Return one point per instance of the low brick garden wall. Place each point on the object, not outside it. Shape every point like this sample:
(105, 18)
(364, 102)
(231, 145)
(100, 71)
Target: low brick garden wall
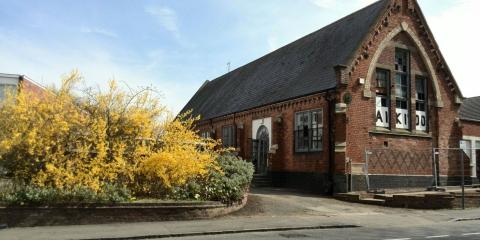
(125, 212)
(446, 200)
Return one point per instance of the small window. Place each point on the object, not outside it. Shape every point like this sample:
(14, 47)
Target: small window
(477, 145)
(228, 136)
(421, 104)
(382, 78)
(401, 61)
(402, 71)
(205, 134)
(309, 131)
(421, 94)
(401, 90)
(382, 110)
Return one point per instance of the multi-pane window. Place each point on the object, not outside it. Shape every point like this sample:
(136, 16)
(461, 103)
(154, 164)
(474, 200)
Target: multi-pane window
(228, 136)
(401, 88)
(382, 101)
(309, 131)
(205, 134)
(421, 104)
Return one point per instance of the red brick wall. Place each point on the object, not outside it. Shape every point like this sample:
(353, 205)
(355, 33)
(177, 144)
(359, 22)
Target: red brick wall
(470, 128)
(360, 115)
(30, 86)
(285, 158)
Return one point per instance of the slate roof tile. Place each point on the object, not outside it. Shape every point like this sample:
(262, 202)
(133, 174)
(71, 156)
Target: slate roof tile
(470, 109)
(301, 68)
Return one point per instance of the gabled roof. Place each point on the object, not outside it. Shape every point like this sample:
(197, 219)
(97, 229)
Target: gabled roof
(17, 78)
(470, 109)
(301, 68)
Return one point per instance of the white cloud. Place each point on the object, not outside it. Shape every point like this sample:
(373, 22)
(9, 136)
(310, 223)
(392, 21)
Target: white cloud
(100, 31)
(335, 4)
(324, 3)
(165, 16)
(458, 36)
(96, 64)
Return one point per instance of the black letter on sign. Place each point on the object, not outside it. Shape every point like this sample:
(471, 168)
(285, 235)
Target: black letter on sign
(417, 120)
(424, 121)
(379, 116)
(398, 118)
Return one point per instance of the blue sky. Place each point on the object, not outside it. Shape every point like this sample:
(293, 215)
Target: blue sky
(176, 45)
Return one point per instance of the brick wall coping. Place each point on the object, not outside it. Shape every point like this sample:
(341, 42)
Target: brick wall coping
(18, 216)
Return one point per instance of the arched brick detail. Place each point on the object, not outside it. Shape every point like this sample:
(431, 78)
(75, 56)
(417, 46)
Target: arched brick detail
(431, 70)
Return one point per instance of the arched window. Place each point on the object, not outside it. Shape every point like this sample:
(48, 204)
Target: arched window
(402, 79)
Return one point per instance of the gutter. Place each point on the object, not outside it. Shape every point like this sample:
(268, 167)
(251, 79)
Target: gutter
(470, 120)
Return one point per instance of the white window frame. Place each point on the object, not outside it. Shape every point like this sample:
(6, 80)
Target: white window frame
(472, 153)
(205, 134)
(314, 131)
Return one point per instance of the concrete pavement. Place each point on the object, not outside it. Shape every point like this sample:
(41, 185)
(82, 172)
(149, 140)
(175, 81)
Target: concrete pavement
(267, 210)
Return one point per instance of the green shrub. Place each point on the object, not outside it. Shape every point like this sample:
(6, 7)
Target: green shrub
(34, 196)
(231, 184)
(227, 184)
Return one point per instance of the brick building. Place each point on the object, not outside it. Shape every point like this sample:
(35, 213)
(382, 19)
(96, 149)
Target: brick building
(306, 113)
(470, 128)
(13, 82)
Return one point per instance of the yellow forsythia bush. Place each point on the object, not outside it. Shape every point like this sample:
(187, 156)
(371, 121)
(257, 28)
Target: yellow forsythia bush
(183, 155)
(71, 137)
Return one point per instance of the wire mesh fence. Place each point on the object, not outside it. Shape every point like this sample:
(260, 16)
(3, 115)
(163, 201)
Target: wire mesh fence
(456, 166)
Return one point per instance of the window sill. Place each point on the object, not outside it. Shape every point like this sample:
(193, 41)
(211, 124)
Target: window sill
(402, 133)
(308, 152)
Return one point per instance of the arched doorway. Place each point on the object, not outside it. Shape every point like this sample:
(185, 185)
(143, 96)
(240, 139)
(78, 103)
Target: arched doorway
(260, 150)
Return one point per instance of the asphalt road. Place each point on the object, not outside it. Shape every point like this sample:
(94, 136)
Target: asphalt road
(450, 230)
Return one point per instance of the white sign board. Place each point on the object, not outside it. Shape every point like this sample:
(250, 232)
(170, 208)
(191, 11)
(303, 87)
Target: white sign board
(402, 118)
(382, 114)
(421, 120)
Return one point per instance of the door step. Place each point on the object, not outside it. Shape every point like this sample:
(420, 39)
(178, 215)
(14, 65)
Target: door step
(372, 201)
(261, 181)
